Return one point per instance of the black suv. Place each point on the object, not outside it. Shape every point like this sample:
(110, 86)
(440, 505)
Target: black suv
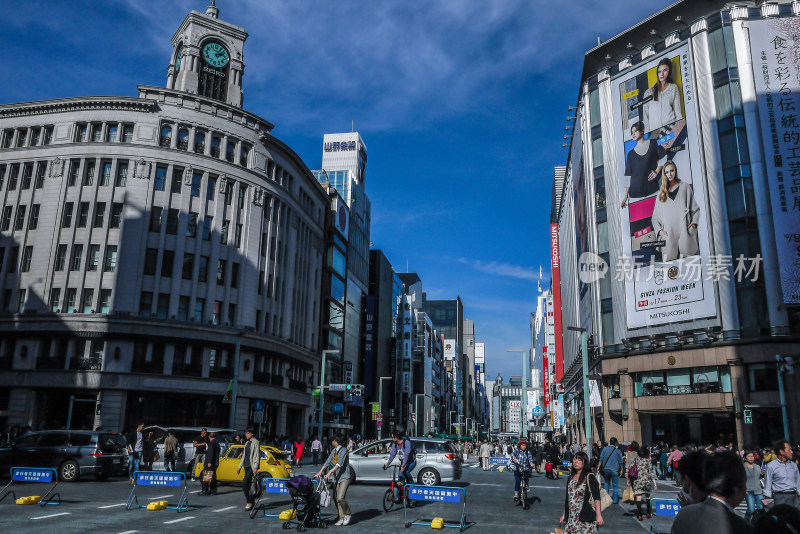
(73, 452)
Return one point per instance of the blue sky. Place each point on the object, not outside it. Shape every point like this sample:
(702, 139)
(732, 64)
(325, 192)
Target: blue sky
(462, 105)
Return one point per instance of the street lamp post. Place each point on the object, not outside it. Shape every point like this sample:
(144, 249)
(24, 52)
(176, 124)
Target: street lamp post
(450, 420)
(235, 384)
(587, 417)
(322, 389)
(380, 400)
(523, 427)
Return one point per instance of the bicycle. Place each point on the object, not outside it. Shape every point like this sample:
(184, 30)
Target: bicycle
(388, 498)
(523, 489)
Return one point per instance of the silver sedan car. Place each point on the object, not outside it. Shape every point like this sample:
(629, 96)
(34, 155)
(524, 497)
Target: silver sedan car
(437, 461)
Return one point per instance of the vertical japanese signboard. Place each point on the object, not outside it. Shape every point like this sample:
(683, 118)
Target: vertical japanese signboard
(663, 208)
(776, 64)
(546, 375)
(555, 309)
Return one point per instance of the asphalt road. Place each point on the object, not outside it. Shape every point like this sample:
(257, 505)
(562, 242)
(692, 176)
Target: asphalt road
(90, 506)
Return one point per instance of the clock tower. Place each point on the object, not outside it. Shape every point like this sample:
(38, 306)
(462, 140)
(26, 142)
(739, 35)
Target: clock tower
(207, 57)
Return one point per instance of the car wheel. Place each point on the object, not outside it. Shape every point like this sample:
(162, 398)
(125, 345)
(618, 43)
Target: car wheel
(352, 475)
(69, 471)
(429, 477)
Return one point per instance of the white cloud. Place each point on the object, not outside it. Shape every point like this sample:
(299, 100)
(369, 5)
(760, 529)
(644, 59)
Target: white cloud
(502, 269)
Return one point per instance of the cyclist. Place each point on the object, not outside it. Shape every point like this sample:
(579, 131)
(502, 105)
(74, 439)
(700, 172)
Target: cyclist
(521, 464)
(403, 449)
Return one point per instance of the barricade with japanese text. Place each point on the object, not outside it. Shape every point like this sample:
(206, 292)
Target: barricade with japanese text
(158, 479)
(34, 475)
(434, 494)
(667, 507)
(497, 461)
(276, 486)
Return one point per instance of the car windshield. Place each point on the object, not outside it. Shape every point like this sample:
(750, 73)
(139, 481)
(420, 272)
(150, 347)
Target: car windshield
(111, 443)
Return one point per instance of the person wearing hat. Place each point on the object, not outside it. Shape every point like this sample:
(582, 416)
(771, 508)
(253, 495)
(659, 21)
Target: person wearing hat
(520, 462)
(249, 462)
(211, 463)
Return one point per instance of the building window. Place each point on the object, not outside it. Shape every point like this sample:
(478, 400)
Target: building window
(12, 262)
(202, 271)
(199, 142)
(93, 258)
(172, 221)
(27, 175)
(33, 221)
(97, 133)
(72, 295)
(223, 234)
(166, 136)
(35, 136)
(183, 309)
(19, 221)
(111, 134)
(244, 155)
(150, 261)
(183, 139)
(88, 177)
(216, 313)
(21, 296)
(48, 135)
(88, 300)
(5, 224)
(207, 222)
(762, 377)
(40, 169)
(230, 149)
(61, 257)
(199, 309)
(83, 133)
(162, 309)
(75, 262)
(238, 236)
(8, 135)
(167, 261)
(74, 169)
(234, 275)
(122, 174)
(27, 256)
(146, 304)
(215, 143)
(13, 177)
(106, 177)
(161, 178)
(177, 180)
(197, 180)
(105, 301)
(83, 214)
(127, 133)
(55, 297)
(188, 266)
(155, 219)
(191, 225)
(221, 272)
(211, 187)
(66, 218)
(99, 214)
(116, 215)
(110, 262)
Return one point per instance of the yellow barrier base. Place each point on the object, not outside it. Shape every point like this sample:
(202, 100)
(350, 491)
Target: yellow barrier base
(287, 515)
(157, 505)
(437, 523)
(33, 499)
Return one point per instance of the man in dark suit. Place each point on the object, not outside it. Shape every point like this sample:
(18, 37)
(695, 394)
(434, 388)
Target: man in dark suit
(211, 464)
(726, 482)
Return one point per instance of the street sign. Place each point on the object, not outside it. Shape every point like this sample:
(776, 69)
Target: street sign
(338, 407)
(380, 424)
(376, 407)
(258, 406)
(380, 416)
(748, 417)
(538, 411)
(337, 387)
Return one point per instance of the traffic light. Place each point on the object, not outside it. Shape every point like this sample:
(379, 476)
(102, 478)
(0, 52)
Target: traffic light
(98, 409)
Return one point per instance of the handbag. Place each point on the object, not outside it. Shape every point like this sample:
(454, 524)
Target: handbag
(325, 497)
(255, 488)
(605, 498)
(627, 495)
(633, 472)
(155, 456)
(208, 475)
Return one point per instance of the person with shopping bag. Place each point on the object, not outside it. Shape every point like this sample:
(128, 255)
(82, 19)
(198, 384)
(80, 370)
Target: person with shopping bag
(640, 481)
(582, 505)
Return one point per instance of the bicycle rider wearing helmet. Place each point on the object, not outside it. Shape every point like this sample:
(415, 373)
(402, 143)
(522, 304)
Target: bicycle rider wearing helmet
(520, 461)
(402, 448)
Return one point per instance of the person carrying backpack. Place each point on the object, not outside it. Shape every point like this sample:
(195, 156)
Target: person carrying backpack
(407, 452)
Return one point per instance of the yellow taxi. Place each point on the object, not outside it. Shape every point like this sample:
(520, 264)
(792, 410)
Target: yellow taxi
(273, 462)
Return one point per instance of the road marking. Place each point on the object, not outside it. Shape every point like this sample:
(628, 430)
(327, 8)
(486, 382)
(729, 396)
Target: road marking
(128, 532)
(198, 491)
(224, 509)
(159, 497)
(178, 520)
(51, 515)
(112, 506)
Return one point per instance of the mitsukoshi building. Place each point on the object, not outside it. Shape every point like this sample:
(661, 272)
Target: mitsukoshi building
(160, 255)
(675, 225)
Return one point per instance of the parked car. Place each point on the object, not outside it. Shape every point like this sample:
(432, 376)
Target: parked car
(437, 461)
(74, 453)
(273, 464)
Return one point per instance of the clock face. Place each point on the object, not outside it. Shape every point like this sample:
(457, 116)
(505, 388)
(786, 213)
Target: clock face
(215, 55)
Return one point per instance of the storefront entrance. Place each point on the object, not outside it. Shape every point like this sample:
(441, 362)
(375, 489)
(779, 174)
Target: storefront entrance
(684, 428)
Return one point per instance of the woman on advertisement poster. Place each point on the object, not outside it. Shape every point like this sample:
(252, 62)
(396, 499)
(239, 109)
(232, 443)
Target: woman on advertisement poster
(676, 216)
(643, 165)
(663, 100)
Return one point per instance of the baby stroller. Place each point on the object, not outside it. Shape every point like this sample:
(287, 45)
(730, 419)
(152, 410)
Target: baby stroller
(305, 504)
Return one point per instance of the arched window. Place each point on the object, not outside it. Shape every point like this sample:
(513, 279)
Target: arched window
(229, 149)
(183, 139)
(199, 142)
(178, 60)
(215, 142)
(166, 136)
(214, 70)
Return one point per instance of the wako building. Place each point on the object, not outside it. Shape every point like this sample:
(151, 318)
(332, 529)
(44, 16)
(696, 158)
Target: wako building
(158, 253)
(684, 177)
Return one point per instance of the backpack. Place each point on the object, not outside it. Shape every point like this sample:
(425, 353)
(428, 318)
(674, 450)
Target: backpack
(509, 449)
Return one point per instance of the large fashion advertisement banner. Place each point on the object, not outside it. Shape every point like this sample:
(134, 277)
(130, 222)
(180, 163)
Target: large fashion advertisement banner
(774, 45)
(663, 194)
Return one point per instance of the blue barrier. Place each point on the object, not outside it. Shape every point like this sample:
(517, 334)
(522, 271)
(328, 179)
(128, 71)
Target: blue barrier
(27, 475)
(666, 507)
(275, 486)
(497, 461)
(566, 464)
(417, 492)
(160, 479)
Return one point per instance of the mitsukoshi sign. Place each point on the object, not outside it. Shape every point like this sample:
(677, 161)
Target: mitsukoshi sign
(662, 194)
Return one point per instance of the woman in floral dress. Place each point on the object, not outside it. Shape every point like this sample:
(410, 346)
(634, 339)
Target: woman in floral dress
(582, 487)
(643, 481)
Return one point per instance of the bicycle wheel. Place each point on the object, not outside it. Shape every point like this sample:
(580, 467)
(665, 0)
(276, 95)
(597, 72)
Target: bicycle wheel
(388, 500)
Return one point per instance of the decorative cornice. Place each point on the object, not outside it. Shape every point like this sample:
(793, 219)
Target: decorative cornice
(66, 105)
